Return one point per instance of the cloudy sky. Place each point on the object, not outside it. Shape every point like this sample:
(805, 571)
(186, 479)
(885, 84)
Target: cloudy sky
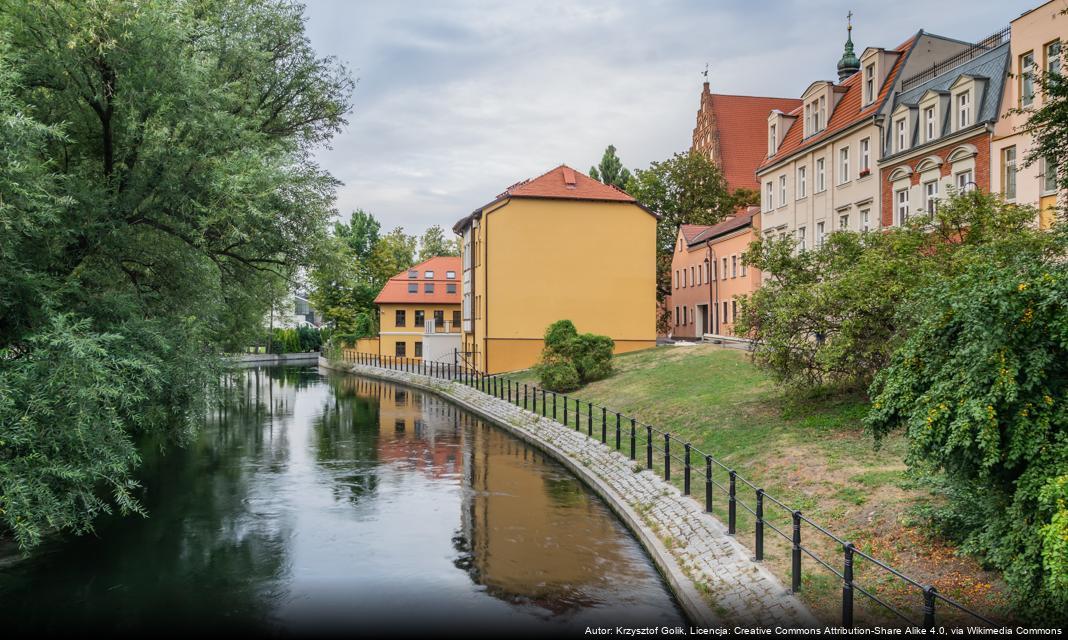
(458, 100)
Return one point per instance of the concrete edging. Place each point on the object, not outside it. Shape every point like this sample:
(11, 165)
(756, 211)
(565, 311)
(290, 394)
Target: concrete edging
(682, 586)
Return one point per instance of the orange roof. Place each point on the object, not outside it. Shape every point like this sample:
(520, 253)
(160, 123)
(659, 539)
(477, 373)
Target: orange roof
(742, 126)
(846, 113)
(396, 290)
(690, 231)
(741, 218)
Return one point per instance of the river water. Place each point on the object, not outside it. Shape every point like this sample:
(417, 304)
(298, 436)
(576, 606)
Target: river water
(315, 502)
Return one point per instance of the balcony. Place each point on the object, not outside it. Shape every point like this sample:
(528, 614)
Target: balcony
(447, 327)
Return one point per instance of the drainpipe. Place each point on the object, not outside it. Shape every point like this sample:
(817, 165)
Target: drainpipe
(713, 312)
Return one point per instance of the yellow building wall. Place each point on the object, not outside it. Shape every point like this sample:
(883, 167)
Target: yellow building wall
(389, 334)
(544, 260)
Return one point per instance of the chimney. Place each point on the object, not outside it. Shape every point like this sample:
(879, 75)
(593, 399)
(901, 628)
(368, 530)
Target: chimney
(569, 177)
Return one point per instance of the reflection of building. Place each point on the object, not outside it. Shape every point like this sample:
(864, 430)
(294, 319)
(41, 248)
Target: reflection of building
(1036, 38)
(420, 311)
(559, 246)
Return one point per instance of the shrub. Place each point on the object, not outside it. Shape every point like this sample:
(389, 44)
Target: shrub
(570, 359)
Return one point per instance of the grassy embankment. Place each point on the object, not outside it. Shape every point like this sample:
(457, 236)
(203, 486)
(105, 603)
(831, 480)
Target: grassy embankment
(811, 454)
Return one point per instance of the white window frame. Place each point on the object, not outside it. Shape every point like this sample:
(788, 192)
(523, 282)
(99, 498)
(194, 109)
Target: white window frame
(802, 182)
(1008, 173)
(901, 205)
(782, 190)
(843, 221)
(1027, 79)
(901, 134)
(963, 179)
(801, 236)
(843, 165)
(821, 175)
(820, 234)
(772, 140)
(929, 124)
(769, 196)
(864, 219)
(869, 84)
(865, 155)
(930, 196)
(964, 109)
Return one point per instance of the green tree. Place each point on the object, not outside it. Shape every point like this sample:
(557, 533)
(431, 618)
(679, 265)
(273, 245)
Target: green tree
(434, 243)
(164, 186)
(688, 188)
(980, 385)
(394, 253)
(361, 234)
(611, 170)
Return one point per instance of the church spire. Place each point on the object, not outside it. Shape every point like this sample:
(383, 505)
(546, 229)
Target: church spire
(849, 63)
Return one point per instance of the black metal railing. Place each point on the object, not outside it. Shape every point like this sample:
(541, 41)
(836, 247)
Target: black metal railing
(718, 476)
(940, 67)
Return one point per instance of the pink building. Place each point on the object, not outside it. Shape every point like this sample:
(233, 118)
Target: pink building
(708, 276)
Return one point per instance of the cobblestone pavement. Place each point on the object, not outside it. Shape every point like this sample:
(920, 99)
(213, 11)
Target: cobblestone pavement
(738, 589)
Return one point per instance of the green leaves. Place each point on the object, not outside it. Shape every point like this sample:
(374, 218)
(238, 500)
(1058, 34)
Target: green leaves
(571, 359)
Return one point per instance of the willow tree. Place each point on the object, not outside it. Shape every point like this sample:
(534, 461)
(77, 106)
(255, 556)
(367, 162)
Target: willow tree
(167, 188)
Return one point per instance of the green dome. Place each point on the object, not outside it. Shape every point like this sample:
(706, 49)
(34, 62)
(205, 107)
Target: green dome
(849, 63)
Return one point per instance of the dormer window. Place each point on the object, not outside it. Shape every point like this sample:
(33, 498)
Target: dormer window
(815, 115)
(901, 141)
(929, 124)
(964, 109)
(772, 140)
(821, 124)
(869, 84)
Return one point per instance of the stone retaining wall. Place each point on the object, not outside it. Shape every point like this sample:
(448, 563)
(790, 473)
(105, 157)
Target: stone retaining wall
(712, 575)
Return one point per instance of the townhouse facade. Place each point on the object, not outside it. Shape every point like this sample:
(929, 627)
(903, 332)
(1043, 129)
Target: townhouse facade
(708, 275)
(559, 246)
(419, 312)
(820, 171)
(941, 125)
(1036, 39)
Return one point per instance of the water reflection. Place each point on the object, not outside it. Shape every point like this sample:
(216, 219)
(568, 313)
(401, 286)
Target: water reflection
(312, 503)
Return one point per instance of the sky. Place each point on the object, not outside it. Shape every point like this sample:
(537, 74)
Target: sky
(455, 101)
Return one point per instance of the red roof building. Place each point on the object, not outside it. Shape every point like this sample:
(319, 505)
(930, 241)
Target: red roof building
(434, 281)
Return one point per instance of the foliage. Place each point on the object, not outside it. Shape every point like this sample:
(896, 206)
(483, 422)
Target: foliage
(611, 170)
(156, 186)
(571, 359)
(980, 385)
(688, 188)
(296, 340)
(434, 244)
(394, 253)
(360, 234)
(833, 315)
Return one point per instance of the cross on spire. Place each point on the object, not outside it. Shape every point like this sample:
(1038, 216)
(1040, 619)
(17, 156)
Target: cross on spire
(849, 20)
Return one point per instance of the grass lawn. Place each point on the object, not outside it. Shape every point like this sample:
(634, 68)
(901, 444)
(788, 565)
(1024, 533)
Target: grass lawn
(811, 454)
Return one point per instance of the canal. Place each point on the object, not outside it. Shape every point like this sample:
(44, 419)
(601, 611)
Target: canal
(315, 502)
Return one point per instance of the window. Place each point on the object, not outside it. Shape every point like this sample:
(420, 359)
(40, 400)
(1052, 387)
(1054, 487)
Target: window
(734, 309)
(428, 287)
(802, 185)
(734, 266)
(700, 273)
(743, 267)
(1008, 173)
(843, 222)
(412, 273)
(930, 196)
(723, 271)
(418, 348)
(821, 179)
(399, 319)
(450, 287)
(902, 198)
(676, 278)
(455, 318)
(964, 181)
(823, 113)
(772, 141)
(843, 165)
(1049, 175)
(1053, 58)
(782, 190)
(869, 84)
(439, 319)
(1027, 79)
(865, 156)
(964, 109)
(429, 275)
(450, 275)
(865, 214)
(400, 350)
(801, 239)
(691, 276)
(685, 315)
(677, 316)
(420, 318)
(413, 287)
(725, 319)
(819, 234)
(901, 136)
(769, 197)
(928, 124)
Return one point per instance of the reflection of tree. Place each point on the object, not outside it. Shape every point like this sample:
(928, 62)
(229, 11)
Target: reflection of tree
(347, 441)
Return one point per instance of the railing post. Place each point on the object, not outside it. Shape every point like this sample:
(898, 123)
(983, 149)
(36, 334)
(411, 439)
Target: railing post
(618, 432)
(543, 403)
(759, 525)
(686, 471)
(578, 416)
(795, 570)
(847, 586)
(667, 457)
(633, 441)
(708, 484)
(554, 405)
(929, 607)
(565, 413)
(509, 392)
(648, 446)
(732, 505)
(526, 396)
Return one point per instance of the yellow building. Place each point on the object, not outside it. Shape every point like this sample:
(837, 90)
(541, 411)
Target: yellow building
(419, 311)
(559, 246)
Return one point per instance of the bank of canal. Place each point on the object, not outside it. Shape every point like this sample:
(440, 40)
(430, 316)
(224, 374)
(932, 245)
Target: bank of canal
(315, 502)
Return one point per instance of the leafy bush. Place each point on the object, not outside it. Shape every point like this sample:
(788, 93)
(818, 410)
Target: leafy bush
(570, 359)
(981, 387)
(299, 340)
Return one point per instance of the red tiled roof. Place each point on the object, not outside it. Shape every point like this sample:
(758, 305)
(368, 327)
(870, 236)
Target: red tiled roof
(396, 289)
(565, 182)
(690, 231)
(846, 113)
(733, 223)
(742, 126)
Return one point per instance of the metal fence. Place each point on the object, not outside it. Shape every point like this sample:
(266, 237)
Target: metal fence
(940, 67)
(647, 445)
